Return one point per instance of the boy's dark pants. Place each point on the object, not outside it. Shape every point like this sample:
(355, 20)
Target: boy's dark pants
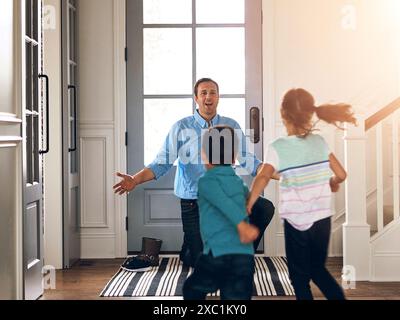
(306, 252)
(192, 248)
(232, 274)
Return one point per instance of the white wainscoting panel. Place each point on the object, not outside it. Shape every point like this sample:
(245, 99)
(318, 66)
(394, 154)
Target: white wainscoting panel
(385, 254)
(97, 147)
(100, 245)
(97, 204)
(94, 182)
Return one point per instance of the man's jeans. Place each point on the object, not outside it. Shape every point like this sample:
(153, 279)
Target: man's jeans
(192, 248)
(232, 274)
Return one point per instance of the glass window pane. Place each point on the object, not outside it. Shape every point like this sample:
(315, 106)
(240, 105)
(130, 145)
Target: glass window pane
(35, 149)
(159, 116)
(167, 61)
(35, 16)
(73, 155)
(71, 79)
(28, 76)
(167, 11)
(8, 57)
(73, 162)
(221, 56)
(29, 150)
(235, 109)
(28, 18)
(35, 79)
(71, 93)
(220, 11)
(71, 38)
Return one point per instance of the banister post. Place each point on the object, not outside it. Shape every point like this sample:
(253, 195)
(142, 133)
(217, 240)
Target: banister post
(356, 231)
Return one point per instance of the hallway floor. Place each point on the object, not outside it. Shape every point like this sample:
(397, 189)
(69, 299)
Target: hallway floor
(86, 280)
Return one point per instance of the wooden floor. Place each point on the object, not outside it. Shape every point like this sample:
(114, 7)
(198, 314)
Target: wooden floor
(86, 280)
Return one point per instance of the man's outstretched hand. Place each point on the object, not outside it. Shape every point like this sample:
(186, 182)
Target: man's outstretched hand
(126, 185)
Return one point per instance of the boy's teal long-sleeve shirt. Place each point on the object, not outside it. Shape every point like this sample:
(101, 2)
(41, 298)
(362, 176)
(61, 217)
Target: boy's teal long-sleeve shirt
(222, 205)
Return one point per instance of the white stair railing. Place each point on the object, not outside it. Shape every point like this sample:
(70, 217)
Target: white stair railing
(379, 176)
(382, 137)
(356, 231)
(396, 159)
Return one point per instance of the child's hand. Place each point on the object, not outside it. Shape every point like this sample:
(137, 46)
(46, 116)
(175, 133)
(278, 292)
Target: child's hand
(250, 203)
(334, 185)
(247, 232)
(248, 209)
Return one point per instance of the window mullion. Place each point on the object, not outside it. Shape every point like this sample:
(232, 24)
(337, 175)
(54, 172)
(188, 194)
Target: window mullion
(194, 48)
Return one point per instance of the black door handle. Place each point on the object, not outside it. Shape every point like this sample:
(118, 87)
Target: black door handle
(75, 119)
(255, 125)
(47, 114)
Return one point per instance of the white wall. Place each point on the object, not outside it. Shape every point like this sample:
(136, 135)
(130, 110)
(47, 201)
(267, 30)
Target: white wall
(338, 50)
(53, 230)
(315, 49)
(102, 108)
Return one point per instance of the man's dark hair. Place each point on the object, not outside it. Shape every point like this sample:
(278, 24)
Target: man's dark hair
(220, 145)
(202, 80)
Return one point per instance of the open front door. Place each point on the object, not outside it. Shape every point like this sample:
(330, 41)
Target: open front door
(32, 155)
(170, 46)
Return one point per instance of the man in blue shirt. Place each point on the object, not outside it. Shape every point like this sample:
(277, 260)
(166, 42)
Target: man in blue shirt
(184, 143)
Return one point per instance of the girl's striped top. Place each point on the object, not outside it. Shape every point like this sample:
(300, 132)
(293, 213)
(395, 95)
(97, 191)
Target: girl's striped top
(303, 163)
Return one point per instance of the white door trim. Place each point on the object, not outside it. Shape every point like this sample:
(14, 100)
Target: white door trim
(269, 112)
(120, 203)
(19, 98)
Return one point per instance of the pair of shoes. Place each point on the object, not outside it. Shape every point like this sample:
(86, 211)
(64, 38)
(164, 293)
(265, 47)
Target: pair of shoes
(140, 263)
(148, 257)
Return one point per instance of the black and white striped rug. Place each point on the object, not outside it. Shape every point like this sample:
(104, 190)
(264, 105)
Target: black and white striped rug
(270, 279)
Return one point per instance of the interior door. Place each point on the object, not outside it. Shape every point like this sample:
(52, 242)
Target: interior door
(170, 45)
(12, 41)
(32, 155)
(71, 167)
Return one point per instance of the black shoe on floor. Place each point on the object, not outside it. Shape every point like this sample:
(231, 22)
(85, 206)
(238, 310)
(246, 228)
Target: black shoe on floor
(140, 263)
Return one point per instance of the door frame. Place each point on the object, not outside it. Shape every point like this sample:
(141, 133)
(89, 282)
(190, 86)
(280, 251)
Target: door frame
(120, 111)
(19, 40)
(252, 23)
(274, 238)
(269, 99)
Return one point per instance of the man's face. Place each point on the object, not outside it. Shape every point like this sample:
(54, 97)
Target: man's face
(207, 99)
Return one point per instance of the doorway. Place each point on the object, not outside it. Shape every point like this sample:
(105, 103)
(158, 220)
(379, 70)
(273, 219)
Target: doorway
(171, 44)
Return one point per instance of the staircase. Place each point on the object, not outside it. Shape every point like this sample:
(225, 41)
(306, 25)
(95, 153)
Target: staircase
(371, 243)
(388, 216)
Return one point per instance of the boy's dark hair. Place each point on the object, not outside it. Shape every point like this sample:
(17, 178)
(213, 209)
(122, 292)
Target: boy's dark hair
(220, 145)
(202, 80)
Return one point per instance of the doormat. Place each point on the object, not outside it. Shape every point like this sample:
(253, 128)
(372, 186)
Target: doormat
(271, 278)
